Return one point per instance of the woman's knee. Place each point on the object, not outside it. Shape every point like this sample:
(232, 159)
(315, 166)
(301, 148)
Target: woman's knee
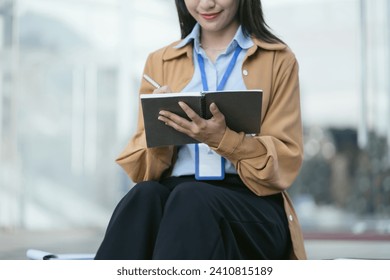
(188, 190)
(149, 188)
(146, 191)
(193, 196)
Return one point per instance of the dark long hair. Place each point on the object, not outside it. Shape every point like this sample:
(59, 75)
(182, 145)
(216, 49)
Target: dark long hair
(249, 15)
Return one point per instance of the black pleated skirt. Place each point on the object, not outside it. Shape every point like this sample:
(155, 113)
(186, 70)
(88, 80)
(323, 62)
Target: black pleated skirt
(182, 218)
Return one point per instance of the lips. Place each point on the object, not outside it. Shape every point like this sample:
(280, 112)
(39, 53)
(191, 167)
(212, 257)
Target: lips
(210, 16)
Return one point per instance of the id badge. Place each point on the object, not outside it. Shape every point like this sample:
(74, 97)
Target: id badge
(208, 164)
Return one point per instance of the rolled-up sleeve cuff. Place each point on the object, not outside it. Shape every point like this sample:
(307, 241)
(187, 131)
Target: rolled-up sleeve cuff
(229, 143)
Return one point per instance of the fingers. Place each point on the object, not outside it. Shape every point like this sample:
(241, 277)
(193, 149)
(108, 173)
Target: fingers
(214, 109)
(217, 114)
(191, 113)
(206, 131)
(190, 127)
(163, 89)
(196, 122)
(177, 121)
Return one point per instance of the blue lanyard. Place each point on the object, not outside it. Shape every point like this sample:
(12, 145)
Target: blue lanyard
(225, 76)
(201, 156)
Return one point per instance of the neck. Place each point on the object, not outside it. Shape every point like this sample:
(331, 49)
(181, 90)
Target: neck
(218, 41)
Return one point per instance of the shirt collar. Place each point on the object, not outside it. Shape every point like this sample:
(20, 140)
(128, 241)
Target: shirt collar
(240, 39)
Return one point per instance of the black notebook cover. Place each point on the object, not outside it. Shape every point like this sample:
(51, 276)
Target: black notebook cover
(242, 111)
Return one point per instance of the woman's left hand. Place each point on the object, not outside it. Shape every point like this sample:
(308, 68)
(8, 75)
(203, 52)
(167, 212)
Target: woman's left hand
(205, 131)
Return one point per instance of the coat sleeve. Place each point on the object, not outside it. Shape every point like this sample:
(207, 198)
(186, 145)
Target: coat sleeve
(269, 163)
(139, 162)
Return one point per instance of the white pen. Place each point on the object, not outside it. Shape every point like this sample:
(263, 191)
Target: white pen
(151, 81)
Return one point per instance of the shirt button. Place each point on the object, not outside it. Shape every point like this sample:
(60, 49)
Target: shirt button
(290, 217)
(245, 72)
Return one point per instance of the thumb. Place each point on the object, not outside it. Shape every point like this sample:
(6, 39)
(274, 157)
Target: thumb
(215, 111)
(163, 89)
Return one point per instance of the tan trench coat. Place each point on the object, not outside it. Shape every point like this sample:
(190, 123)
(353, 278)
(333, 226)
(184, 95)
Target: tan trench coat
(267, 163)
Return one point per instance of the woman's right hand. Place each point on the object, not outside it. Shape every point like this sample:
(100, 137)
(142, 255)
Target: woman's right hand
(163, 89)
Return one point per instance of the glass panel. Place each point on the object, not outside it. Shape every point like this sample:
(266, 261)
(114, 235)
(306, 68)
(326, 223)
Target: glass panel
(69, 78)
(343, 50)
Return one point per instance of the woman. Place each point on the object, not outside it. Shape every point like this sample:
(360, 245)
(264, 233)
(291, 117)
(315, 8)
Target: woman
(169, 214)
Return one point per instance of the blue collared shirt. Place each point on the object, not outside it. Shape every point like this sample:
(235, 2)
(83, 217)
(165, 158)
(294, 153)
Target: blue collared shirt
(185, 164)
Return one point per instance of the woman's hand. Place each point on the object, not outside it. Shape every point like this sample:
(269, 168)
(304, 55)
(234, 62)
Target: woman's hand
(205, 131)
(163, 89)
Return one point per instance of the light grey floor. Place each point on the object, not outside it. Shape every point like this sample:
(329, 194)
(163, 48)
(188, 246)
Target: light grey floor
(14, 244)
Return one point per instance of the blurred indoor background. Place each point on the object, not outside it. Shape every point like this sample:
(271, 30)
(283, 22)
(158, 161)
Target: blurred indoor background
(69, 77)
